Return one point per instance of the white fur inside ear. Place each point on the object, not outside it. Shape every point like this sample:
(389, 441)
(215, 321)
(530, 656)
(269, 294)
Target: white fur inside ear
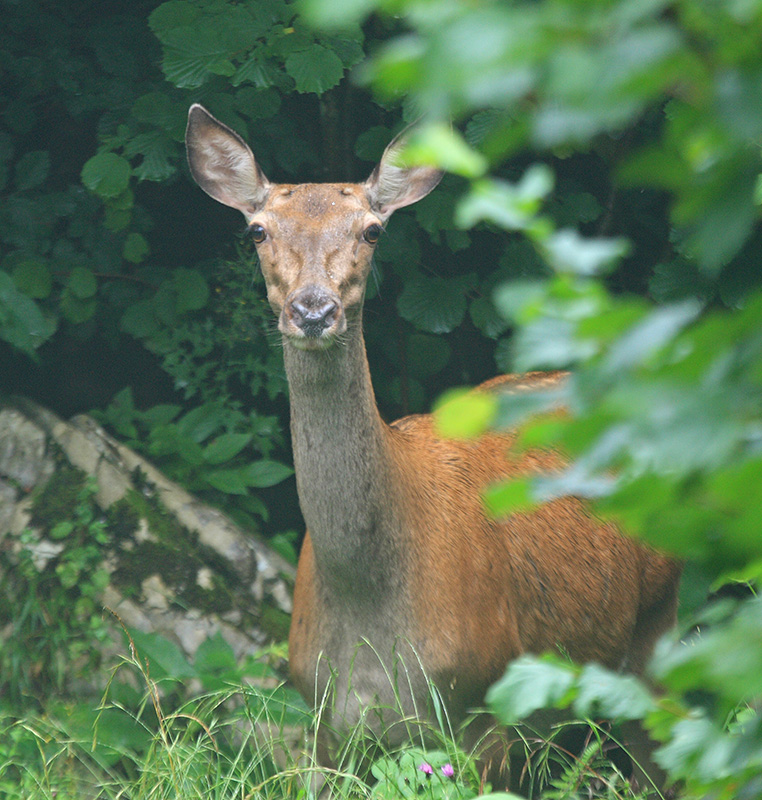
(223, 165)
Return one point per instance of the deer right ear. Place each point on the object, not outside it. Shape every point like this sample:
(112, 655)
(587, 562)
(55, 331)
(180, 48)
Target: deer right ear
(393, 185)
(222, 163)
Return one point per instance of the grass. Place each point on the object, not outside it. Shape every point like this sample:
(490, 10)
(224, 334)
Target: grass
(247, 743)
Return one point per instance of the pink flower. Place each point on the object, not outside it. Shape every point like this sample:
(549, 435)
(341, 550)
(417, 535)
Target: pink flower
(448, 771)
(427, 769)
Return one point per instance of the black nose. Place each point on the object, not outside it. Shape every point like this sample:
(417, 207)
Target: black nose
(312, 312)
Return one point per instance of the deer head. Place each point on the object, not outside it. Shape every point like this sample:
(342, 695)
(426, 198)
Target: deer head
(315, 241)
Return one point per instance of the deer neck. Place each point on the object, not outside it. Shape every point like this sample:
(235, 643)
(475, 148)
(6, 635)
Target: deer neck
(341, 457)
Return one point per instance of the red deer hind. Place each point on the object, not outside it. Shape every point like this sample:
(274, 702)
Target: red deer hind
(400, 556)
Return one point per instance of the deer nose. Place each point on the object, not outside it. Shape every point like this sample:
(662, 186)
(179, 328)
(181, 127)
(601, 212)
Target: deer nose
(313, 312)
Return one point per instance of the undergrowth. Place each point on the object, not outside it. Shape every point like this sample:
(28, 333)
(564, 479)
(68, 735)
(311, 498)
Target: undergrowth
(244, 741)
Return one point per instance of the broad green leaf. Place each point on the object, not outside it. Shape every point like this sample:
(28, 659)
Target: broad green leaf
(230, 481)
(697, 749)
(725, 659)
(465, 413)
(530, 684)
(32, 276)
(486, 318)
(82, 283)
(441, 146)
(511, 497)
(265, 473)
(76, 310)
(511, 206)
(258, 103)
(107, 174)
(172, 14)
(214, 654)
(348, 45)
(225, 446)
(658, 329)
(192, 290)
(520, 301)
(61, 529)
(336, 13)
(161, 414)
(164, 658)
(602, 693)
(567, 251)
(135, 248)
(21, 321)
(436, 304)
(201, 422)
(315, 69)
(139, 320)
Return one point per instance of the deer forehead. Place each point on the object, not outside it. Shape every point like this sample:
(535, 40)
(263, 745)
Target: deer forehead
(329, 209)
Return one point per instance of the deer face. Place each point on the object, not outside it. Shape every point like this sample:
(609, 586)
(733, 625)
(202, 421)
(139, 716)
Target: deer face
(315, 241)
(315, 244)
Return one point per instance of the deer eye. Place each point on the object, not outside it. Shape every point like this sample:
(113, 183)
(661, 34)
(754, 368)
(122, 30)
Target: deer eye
(372, 233)
(257, 233)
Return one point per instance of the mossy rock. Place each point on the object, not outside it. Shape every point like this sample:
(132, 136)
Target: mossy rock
(58, 498)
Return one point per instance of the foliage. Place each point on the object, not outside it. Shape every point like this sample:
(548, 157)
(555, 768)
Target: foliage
(661, 100)
(419, 773)
(222, 743)
(53, 631)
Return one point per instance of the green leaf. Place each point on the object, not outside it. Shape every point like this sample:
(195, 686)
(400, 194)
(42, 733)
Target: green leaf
(511, 206)
(164, 658)
(161, 414)
(107, 174)
(336, 13)
(529, 684)
(32, 276)
(135, 248)
(511, 497)
(602, 693)
(436, 305)
(465, 413)
(440, 146)
(201, 422)
(21, 321)
(225, 446)
(230, 481)
(192, 290)
(139, 320)
(75, 310)
(486, 318)
(265, 473)
(172, 14)
(315, 69)
(567, 251)
(82, 283)
(61, 529)
(214, 654)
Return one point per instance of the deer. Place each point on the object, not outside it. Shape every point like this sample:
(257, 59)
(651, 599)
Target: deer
(400, 563)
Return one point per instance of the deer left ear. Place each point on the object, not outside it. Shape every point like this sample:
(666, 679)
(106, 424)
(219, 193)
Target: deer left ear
(222, 163)
(393, 185)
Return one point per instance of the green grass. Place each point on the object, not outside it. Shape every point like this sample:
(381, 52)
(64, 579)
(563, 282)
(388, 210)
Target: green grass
(245, 743)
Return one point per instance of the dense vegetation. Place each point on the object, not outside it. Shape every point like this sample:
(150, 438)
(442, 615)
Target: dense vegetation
(601, 214)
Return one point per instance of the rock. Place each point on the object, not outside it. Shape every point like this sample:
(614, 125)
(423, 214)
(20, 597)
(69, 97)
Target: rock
(172, 565)
(23, 450)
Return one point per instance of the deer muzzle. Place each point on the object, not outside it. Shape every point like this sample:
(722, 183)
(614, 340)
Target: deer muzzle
(312, 317)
